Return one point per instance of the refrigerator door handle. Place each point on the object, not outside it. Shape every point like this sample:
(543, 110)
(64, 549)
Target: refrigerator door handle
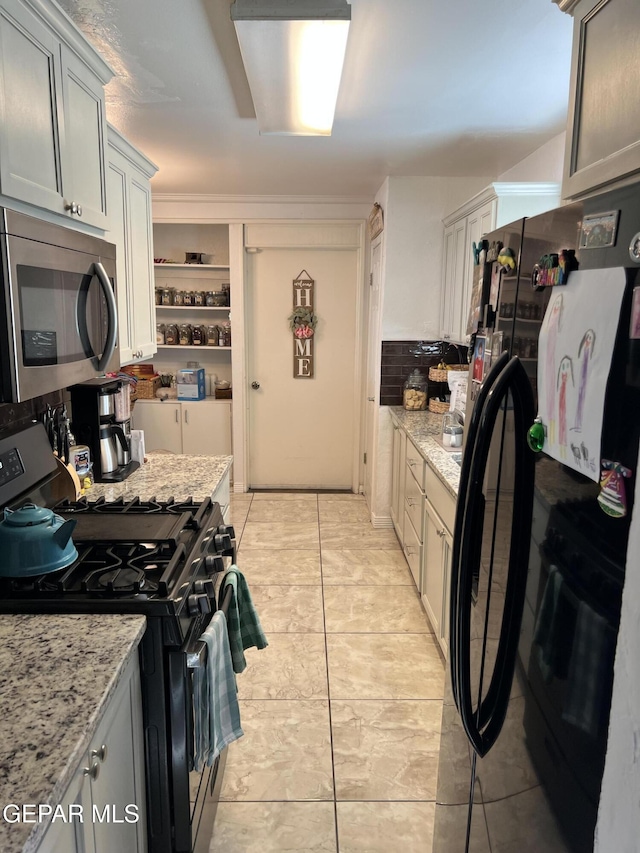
(462, 508)
(485, 723)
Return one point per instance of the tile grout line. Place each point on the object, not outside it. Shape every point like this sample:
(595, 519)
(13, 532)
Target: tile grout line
(326, 658)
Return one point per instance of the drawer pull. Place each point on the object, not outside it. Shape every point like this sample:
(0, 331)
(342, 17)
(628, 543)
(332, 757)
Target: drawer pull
(94, 771)
(100, 754)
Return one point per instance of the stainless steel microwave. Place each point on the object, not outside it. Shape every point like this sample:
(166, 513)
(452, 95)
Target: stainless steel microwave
(58, 315)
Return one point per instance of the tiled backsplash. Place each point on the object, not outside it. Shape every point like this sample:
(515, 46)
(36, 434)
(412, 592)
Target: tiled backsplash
(399, 358)
(14, 416)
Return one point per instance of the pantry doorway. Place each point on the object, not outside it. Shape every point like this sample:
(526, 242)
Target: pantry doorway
(303, 432)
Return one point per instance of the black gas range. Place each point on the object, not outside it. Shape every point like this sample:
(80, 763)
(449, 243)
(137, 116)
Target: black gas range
(159, 558)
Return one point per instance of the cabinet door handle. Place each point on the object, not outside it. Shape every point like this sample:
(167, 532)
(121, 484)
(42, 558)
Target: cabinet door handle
(186, 416)
(73, 208)
(177, 417)
(100, 754)
(411, 550)
(93, 771)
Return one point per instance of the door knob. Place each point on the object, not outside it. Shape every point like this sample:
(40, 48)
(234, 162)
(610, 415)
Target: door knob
(255, 385)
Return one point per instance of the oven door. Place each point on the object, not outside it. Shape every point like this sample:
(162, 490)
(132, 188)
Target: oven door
(61, 319)
(196, 793)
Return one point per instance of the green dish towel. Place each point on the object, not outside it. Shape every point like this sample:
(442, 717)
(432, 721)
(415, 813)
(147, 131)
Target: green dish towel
(245, 630)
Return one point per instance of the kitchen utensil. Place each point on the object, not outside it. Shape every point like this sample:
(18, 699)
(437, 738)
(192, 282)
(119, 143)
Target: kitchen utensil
(34, 540)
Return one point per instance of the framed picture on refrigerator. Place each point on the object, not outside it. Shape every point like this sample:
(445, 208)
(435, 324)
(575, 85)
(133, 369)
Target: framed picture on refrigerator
(479, 351)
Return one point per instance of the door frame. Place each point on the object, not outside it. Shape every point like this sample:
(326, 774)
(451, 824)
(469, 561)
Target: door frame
(297, 234)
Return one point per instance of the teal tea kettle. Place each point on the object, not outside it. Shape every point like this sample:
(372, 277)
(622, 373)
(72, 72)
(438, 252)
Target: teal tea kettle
(34, 540)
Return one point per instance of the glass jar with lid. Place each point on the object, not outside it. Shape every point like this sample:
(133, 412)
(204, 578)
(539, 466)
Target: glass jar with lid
(178, 297)
(158, 291)
(160, 333)
(171, 334)
(414, 395)
(167, 295)
(198, 297)
(212, 336)
(199, 336)
(188, 297)
(209, 298)
(185, 335)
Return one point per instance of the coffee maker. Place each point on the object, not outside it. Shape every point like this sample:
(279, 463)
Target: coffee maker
(101, 418)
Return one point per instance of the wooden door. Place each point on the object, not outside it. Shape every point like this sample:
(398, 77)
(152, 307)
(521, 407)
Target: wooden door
(301, 431)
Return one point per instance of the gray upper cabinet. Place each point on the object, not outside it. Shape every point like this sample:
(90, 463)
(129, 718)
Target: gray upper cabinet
(603, 131)
(52, 113)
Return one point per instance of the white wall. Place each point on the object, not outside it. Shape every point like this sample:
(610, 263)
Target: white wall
(544, 164)
(412, 267)
(619, 813)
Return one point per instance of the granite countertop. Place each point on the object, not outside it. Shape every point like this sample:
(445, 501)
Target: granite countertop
(422, 427)
(166, 475)
(59, 674)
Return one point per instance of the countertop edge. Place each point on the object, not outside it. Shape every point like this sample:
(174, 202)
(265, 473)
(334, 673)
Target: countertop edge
(435, 456)
(70, 767)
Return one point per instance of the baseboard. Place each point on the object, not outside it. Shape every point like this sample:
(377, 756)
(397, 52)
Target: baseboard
(381, 522)
(239, 488)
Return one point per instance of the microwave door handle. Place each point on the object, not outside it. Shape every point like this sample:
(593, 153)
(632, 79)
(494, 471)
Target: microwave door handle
(112, 312)
(464, 497)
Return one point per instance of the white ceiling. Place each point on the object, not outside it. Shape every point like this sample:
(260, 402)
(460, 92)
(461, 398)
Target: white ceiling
(430, 87)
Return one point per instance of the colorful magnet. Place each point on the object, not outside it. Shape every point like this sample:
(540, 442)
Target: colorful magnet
(554, 269)
(536, 436)
(613, 498)
(494, 250)
(483, 245)
(507, 259)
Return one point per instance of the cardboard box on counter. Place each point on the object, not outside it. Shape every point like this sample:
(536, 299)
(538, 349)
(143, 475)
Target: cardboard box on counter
(191, 384)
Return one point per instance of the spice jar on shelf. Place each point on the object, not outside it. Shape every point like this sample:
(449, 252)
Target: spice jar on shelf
(199, 336)
(171, 334)
(199, 298)
(160, 333)
(167, 295)
(212, 336)
(414, 395)
(185, 336)
(178, 297)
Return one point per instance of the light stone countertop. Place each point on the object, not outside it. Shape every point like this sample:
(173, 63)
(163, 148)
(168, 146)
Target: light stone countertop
(422, 427)
(59, 673)
(166, 475)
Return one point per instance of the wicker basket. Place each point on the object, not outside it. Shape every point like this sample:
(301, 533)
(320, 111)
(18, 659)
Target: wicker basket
(437, 374)
(146, 388)
(438, 407)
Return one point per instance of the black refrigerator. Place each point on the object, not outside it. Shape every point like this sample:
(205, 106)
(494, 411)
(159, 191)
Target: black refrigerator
(540, 538)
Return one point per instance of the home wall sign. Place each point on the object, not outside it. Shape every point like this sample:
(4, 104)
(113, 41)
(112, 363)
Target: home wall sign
(302, 323)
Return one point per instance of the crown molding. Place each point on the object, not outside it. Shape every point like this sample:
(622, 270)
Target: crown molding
(566, 5)
(195, 198)
(500, 189)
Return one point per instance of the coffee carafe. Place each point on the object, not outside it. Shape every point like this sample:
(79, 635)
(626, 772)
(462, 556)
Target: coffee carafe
(101, 418)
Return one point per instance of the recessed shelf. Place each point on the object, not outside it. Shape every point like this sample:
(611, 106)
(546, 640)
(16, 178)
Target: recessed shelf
(200, 347)
(191, 266)
(194, 307)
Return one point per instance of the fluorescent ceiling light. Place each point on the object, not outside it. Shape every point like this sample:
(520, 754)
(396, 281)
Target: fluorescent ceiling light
(293, 52)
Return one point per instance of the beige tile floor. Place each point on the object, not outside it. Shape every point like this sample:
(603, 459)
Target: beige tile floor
(342, 711)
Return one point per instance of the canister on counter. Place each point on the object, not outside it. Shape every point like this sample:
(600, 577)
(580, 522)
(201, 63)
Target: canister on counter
(414, 395)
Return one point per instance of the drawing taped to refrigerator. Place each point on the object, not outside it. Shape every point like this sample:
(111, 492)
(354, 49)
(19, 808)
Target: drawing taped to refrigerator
(576, 344)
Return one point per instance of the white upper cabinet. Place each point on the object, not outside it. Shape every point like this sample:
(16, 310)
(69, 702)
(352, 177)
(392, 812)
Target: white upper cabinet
(131, 229)
(498, 205)
(52, 114)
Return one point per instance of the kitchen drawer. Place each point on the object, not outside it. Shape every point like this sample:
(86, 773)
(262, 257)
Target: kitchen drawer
(442, 500)
(414, 504)
(412, 549)
(415, 463)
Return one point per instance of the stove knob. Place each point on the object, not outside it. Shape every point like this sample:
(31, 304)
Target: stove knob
(206, 587)
(221, 542)
(213, 564)
(198, 604)
(228, 529)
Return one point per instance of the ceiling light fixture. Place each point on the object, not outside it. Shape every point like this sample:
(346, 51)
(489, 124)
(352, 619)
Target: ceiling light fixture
(293, 52)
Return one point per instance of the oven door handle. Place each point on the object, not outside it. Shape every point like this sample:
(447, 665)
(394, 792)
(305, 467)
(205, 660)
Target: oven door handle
(198, 656)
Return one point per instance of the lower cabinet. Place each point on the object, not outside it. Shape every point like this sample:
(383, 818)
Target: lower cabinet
(201, 428)
(108, 789)
(397, 479)
(436, 573)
